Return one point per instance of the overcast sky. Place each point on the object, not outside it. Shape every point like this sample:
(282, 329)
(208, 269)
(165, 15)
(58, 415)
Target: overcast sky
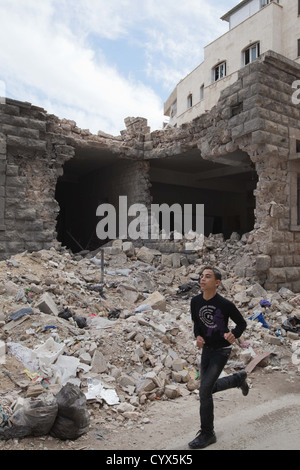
(99, 61)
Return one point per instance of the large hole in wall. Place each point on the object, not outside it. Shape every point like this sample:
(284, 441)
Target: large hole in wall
(225, 188)
(96, 176)
(86, 183)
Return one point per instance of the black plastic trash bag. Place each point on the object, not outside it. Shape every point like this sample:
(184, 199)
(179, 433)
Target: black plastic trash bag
(80, 321)
(189, 289)
(113, 314)
(73, 419)
(34, 418)
(65, 314)
(292, 324)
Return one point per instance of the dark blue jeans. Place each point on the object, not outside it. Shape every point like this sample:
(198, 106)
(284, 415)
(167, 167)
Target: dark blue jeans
(212, 364)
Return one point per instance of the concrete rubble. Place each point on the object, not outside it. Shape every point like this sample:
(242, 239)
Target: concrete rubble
(128, 341)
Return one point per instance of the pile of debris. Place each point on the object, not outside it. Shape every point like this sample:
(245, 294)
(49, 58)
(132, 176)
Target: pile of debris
(116, 326)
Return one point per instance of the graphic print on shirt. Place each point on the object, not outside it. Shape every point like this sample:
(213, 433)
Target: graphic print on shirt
(213, 319)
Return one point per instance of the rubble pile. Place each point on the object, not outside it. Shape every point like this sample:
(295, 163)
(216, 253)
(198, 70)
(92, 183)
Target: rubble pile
(117, 326)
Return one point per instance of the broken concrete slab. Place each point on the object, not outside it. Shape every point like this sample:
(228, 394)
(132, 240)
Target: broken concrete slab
(46, 304)
(156, 301)
(99, 364)
(178, 364)
(145, 385)
(172, 391)
(145, 254)
(128, 248)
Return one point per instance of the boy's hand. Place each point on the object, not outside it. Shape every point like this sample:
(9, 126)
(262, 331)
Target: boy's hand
(200, 342)
(229, 337)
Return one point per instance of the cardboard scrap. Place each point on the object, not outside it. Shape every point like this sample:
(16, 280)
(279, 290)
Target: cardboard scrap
(251, 366)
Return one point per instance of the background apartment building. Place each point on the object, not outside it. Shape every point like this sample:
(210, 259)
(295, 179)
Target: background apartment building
(255, 27)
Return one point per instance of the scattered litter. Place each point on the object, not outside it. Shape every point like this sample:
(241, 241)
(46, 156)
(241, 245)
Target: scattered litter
(114, 314)
(4, 419)
(65, 369)
(292, 324)
(21, 313)
(66, 314)
(49, 327)
(265, 303)
(48, 352)
(100, 323)
(143, 308)
(119, 344)
(24, 355)
(258, 317)
(96, 390)
(255, 362)
(80, 321)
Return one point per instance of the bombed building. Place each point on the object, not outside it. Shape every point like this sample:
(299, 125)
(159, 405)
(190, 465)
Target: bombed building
(241, 160)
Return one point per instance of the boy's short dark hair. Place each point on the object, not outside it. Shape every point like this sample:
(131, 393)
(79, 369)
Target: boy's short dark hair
(216, 272)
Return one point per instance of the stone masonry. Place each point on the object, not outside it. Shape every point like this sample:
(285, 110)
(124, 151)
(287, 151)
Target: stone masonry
(255, 115)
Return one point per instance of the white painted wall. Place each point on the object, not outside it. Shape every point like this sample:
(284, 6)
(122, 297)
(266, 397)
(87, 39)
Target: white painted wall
(243, 13)
(276, 27)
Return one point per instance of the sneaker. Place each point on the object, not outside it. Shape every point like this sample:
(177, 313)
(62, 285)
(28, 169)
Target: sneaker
(202, 440)
(244, 385)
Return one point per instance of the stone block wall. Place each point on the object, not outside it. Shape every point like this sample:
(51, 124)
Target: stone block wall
(255, 114)
(2, 183)
(34, 146)
(270, 148)
(129, 178)
(31, 161)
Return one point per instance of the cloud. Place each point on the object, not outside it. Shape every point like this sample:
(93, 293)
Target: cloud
(53, 53)
(172, 33)
(178, 33)
(46, 61)
(107, 19)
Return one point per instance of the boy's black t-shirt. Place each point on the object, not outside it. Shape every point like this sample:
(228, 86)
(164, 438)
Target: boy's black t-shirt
(211, 318)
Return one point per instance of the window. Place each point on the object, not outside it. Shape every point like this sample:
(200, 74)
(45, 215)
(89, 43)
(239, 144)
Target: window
(251, 53)
(263, 3)
(219, 72)
(298, 7)
(189, 101)
(201, 92)
(298, 47)
(297, 146)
